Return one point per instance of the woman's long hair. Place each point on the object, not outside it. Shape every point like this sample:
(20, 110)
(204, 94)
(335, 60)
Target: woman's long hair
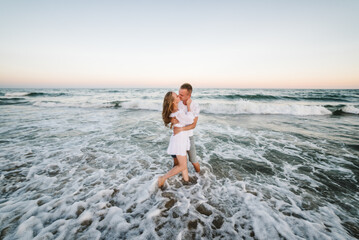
(168, 104)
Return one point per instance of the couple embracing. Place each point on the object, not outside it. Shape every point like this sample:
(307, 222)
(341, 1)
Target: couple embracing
(181, 114)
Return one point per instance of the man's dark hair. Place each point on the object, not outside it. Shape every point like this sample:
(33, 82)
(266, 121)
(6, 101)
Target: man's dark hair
(187, 86)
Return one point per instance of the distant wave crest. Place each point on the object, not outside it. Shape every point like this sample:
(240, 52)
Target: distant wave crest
(351, 109)
(13, 101)
(239, 107)
(33, 94)
(266, 97)
(248, 107)
(246, 96)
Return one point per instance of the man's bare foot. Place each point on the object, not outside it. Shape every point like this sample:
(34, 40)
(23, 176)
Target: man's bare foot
(196, 167)
(161, 181)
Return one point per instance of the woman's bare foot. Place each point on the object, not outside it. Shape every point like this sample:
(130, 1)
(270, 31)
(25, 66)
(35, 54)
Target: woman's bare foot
(161, 181)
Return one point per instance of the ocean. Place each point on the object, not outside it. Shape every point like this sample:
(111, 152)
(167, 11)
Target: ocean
(84, 163)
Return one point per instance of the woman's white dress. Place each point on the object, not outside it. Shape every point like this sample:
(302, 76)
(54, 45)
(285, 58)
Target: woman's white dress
(179, 143)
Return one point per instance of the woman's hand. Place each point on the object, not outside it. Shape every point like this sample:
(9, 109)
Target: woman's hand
(189, 101)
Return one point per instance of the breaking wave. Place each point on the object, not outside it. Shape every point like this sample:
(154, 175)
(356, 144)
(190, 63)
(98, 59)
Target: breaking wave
(33, 94)
(239, 107)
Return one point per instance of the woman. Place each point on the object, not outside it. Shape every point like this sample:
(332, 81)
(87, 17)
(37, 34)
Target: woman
(179, 143)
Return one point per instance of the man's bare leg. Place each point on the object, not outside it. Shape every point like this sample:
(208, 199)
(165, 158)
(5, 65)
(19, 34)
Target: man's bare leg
(196, 167)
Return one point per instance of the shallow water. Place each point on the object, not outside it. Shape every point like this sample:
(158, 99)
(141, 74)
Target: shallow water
(83, 163)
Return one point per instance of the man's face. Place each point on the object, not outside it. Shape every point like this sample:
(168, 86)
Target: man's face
(184, 94)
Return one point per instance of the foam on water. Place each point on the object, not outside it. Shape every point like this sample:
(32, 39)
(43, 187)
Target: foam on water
(248, 107)
(239, 107)
(144, 105)
(16, 94)
(212, 102)
(351, 109)
(90, 173)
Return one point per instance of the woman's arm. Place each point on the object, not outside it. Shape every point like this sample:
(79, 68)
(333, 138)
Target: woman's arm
(189, 101)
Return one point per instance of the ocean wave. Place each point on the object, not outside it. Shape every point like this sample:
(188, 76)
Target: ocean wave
(33, 94)
(343, 109)
(351, 109)
(243, 96)
(63, 104)
(240, 107)
(325, 99)
(16, 94)
(36, 94)
(13, 101)
(247, 107)
(114, 104)
(143, 105)
(266, 97)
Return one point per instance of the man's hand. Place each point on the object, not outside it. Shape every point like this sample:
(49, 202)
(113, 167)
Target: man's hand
(174, 121)
(177, 130)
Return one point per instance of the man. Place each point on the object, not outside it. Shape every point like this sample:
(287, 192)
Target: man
(185, 93)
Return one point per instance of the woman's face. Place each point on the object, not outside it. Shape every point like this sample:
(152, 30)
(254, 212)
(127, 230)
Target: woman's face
(176, 98)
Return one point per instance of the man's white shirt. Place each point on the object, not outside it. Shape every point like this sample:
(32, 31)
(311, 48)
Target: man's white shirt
(194, 109)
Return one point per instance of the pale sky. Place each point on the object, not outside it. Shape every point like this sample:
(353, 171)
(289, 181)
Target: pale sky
(239, 44)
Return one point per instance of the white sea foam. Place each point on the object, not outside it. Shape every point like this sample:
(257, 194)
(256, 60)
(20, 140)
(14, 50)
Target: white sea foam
(207, 106)
(70, 173)
(248, 107)
(16, 94)
(351, 109)
(240, 107)
(27, 228)
(142, 104)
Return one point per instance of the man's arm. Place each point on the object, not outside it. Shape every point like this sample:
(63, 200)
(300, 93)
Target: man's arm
(177, 130)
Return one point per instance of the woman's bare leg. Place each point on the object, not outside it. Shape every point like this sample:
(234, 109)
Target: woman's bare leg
(175, 161)
(181, 167)
(183, 161)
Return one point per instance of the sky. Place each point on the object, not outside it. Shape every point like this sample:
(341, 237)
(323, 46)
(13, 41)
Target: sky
(219, 44)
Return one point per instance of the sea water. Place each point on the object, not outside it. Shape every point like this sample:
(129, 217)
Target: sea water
(84, 163)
